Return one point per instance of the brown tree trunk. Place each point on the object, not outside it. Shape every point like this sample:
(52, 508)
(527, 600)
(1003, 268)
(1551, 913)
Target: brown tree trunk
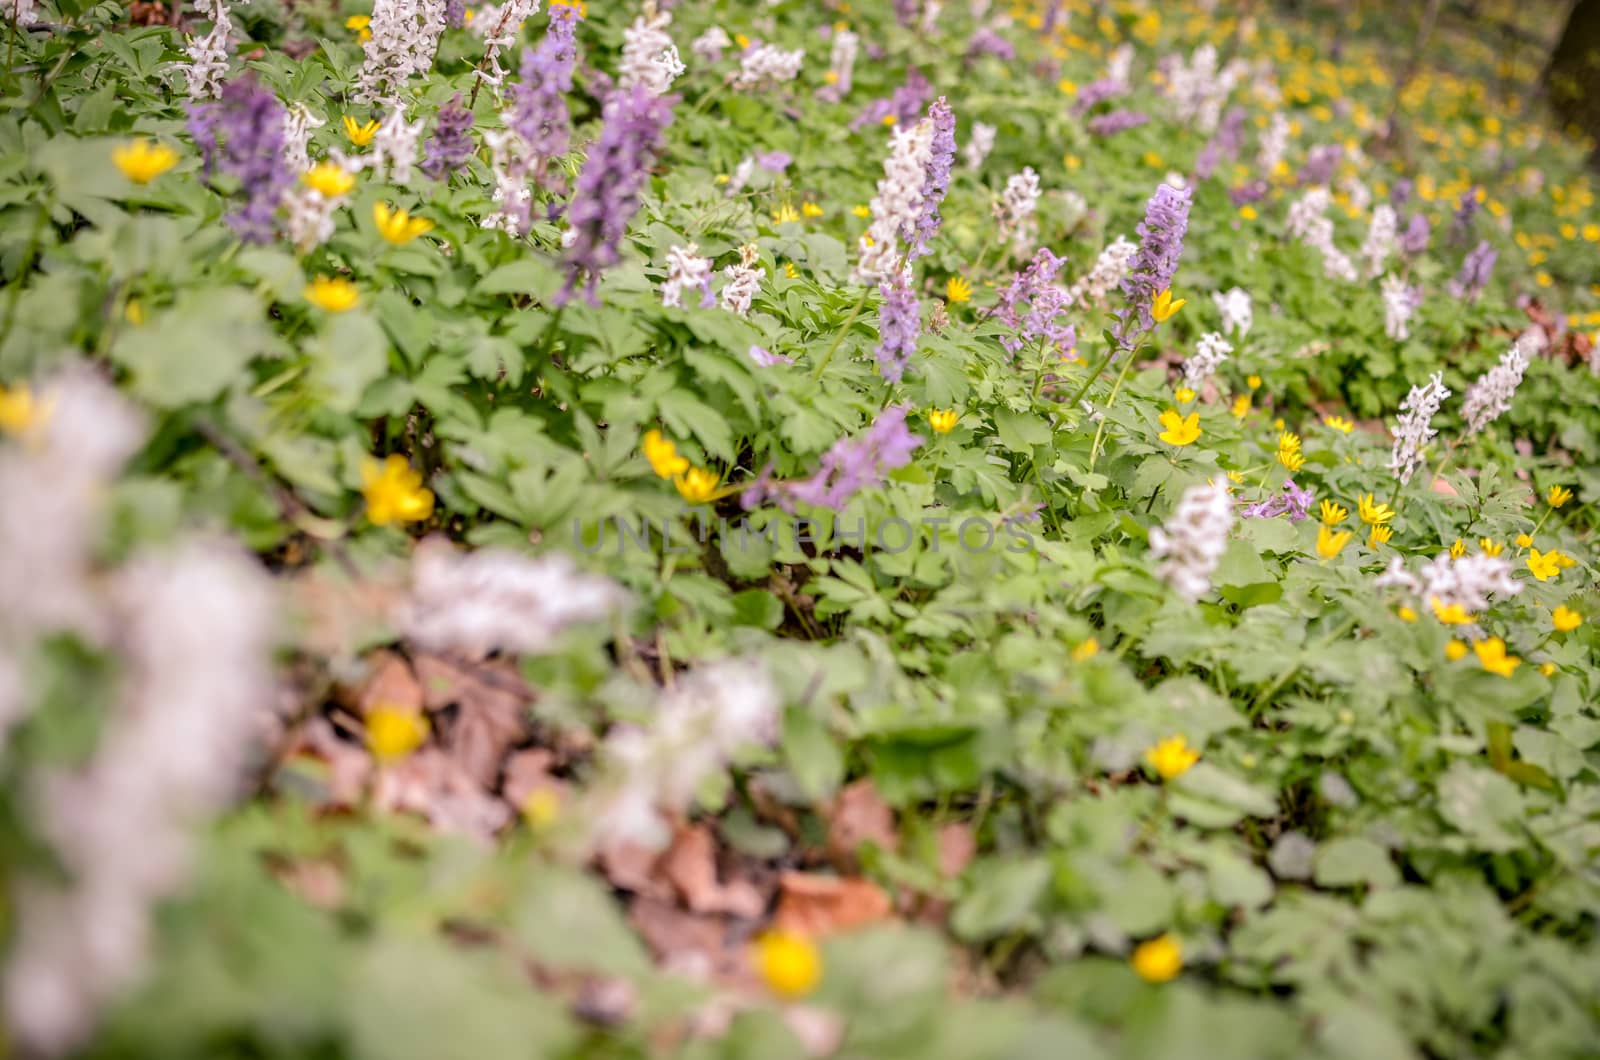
(1572, 79)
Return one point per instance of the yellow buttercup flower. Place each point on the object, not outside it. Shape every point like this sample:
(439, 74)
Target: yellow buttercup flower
(1407, 614)
(1548, 669)
(1253, 382)
(1087, 650)
(861, 211)
(361, 24)
(1339, 423)
(790, 271)
(1451, 614)
(1293, 459)
(1371, 512)
(1558, 496)
(1524, 540)
(1456, 650)
(1544, 565)
(1491, 653)
(957, 290)
(1380, 536)
(1158, 960)
(789, 964)
(1172, 757)
(1333, 514)
(1565, 619)
(1165, 306)
(941, 421)
(541, 808)
(1180, 430)
(134, 311)
(697, 485)
(394, 491)
(663, 455)
(142, 161)
(785, 214)
(1490, 546)
(20, 410)
(396, 225)
(1183, 395)
(889, 119)
(332, 293)
(394, 732)
(810, 209)
(1241, 406)
(360, 135)
(329, 179)
(1330, 542)
(1458, 549)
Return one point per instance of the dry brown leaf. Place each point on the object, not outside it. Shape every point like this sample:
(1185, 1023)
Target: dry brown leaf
(860, 815)
(490, 718)
(957, 847)
(349, 764)
(702, 947)
(690, 865)
(390, 683)
(433, 784)
(527, 772)
(337, 614)
(813, 904)
(631, 867)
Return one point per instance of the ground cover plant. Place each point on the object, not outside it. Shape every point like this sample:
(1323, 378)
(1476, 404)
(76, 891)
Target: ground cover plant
(795, 529)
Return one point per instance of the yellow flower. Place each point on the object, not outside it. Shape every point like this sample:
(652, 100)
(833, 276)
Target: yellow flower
(333, 293)
(394, 732)
(394, 491)
(1087, 650)
(1490, 546)
(663, 455)
(142, 161)
(1492, 656)
(1544, 566)
(861, 211)
(810, 209)
(1558, 496)
(1407, 614)
(1333, 514)
(20, 411)
(360, 135)
(1241, 406)
(1380, 536)
(1172, 757)
(1184, 395)
(785, 214)
(1548, 669)
(1293, 459)
(1456, 650)
(942, 420)
(790, 271)
(1565, 619)
(1451, 614)
(1165, 306)
(697, 485)
(1330, 541)
(957, 290)
(134, 311)
(541, 808)
(1180, 430)
(329, 179)
(1248, 212)
(1253, 382)
(361, 24)
(396, 225)
(788, 963)
(1339, 423)
(889, 119)
(1372, 513)
(1159, 959)
(1524, 540)
(1458, 549)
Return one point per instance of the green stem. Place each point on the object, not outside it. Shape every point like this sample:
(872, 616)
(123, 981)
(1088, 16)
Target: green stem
(1100, 431)
(861, 303)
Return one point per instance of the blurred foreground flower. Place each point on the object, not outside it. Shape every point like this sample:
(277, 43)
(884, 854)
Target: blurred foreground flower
(1158, 960)
(1172, 757)
(663, 455)
(789, 964)
(332, 293)
(144, 160)
(394, 732)
(394, 491)
(1491, 653)
(396, 225)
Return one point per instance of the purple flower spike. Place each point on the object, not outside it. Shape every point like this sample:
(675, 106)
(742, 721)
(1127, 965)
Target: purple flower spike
(538, 104)
(1116, 121)
(1166, 219)
(1475, 272)
(241, 134)
(451, 144)
(1414, 240)
(936, 181)
(855, 464)
(899, 324)
(1031, 304)
(613, 177)
(1293, 502)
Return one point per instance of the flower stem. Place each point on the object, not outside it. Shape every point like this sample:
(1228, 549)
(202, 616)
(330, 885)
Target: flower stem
(861, 303)
(1100, 431)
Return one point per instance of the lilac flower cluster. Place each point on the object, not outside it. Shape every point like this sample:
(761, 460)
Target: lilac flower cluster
(848, 467)
(1475, 272)
(1248, 192)
(941, 157)
(241, 134)
(1466, 211)
(1097, 92)
(1414, 240)
(451, 143)
(1031, 304)
(1166, 219)
(905, 105)
(899, 324)
(1293, 502)
(1224, 146)
(607, 195)
(987, 42)
(1321, 161)
(1116, 121)
(455, 13)
(538, 107)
